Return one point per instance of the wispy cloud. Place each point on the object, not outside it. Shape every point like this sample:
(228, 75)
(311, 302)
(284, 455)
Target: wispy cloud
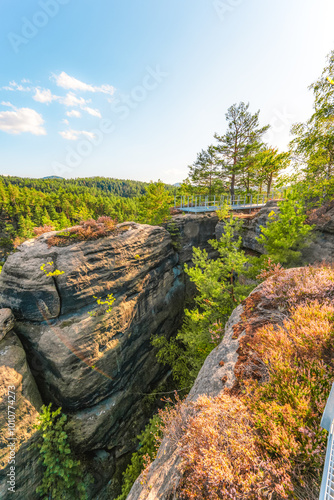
(22, 120)
(8, 104)
(91, 111)
(70, 100)
(69, 82)
(73, 135)
(13, 86)
(73, 113)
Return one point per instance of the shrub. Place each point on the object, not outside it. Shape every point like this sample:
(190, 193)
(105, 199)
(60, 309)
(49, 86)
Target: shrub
(220, 454)
(287, 288)
(262, 439)
(42, 229)
(62, 477)
(149, 441)
(287, 409)
(286, 233)
(219, 291)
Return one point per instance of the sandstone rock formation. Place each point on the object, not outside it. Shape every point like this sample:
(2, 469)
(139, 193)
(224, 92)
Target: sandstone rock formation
(321, 244)
(194, 230)
(19, 395)
(94, 363)
(251, 228)
(218, 373)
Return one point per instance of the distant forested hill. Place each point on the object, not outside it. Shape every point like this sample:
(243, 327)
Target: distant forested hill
(107, 185)
(29, 203)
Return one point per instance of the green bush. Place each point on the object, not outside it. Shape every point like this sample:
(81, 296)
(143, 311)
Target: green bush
(148, 445)
(219, 291)
(62, 478)
(287, 233)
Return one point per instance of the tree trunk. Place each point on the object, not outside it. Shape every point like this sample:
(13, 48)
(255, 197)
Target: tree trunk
(269, 183)
(232, 184)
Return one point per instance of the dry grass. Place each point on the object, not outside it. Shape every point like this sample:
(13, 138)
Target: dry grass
(87, 230)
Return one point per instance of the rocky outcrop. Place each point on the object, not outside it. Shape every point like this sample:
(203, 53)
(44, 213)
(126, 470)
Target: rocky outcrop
(230, 360)
(20, 403)
(163, 477)
(93, 363)
(251, 228)
(97, 363)
(321, 242)
(193, 230)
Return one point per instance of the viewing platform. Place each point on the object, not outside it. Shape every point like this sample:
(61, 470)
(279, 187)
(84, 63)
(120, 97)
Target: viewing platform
(201, 204)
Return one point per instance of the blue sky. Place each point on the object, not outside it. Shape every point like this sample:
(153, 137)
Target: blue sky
(134, 89)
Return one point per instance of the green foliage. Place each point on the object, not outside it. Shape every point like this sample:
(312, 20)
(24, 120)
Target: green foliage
(313, 145)
(219, 291)
(62, 477)
(56, 272)
(205, 171)
(154, 206)
(241, 140)
(110, 299)
(174, 231)
(267, 164)
(149, 441)
(286, 233)
(26, 204)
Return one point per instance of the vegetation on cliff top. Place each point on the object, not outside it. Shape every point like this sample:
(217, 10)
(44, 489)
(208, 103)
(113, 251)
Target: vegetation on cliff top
(262, 439)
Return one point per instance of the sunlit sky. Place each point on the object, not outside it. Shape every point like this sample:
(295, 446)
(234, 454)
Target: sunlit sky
(136, 88)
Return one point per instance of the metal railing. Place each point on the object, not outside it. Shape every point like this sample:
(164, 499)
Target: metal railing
(200, 203)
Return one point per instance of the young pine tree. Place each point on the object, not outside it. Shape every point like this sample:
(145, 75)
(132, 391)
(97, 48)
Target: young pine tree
(219, 291)
(155, 204)
(286, 233)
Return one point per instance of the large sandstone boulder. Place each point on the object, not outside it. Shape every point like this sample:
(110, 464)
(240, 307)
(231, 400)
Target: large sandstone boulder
(94, 363)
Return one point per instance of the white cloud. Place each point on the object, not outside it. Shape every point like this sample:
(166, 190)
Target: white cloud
(22, 120)
(91, 111)
(69, 82)
(16, 86)
(65, 121)
(44, 95)
(73, 135)
(71, 100)
(8, 104)
(74, 113)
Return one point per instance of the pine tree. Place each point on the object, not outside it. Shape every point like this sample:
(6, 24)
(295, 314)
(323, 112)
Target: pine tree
(313, 145)
(205, 171)
(240, 140)
(154, 206)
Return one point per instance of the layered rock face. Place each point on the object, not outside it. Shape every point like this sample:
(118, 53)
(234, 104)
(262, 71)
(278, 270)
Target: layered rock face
(251, 228)
(95, 363)
(20, 403)
(321, 244)
(193, 230)
(163, 477)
